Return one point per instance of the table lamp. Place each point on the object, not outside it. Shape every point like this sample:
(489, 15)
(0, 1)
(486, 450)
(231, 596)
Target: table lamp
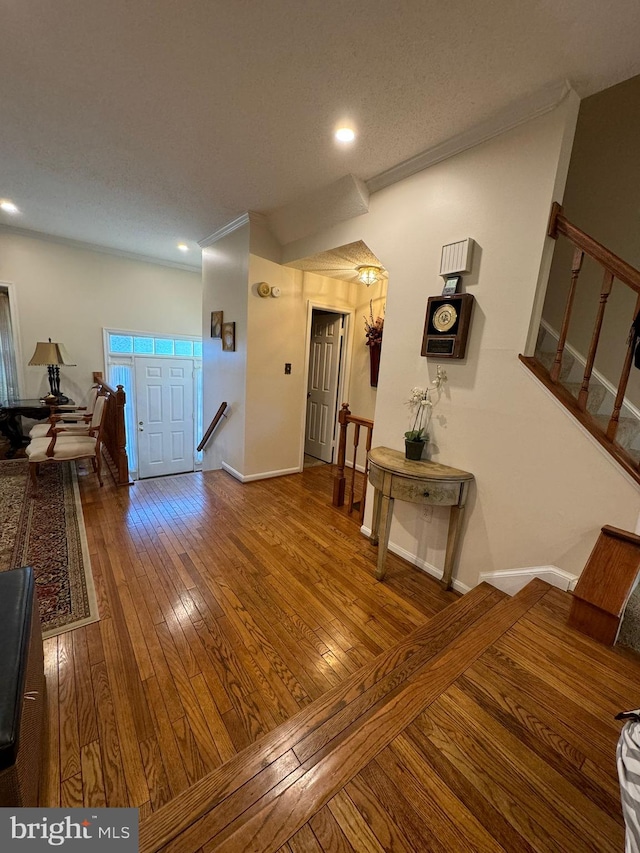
(53, 355)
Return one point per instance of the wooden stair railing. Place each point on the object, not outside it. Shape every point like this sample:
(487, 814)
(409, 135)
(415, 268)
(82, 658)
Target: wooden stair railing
(614, 268)
(340, 481)
(214, 423)
(114, 438)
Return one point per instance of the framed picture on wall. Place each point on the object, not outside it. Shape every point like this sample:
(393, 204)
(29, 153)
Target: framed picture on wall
(216, 324)
(228, 337)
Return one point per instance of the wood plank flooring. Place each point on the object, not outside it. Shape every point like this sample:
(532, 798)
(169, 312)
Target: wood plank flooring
(252, 688)
(488, 729)
(225, 609)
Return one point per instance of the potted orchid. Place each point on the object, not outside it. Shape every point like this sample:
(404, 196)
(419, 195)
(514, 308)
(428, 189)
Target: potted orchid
(421, 406)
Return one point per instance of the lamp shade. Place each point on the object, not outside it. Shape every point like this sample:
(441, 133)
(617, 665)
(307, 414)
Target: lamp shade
(51, 353)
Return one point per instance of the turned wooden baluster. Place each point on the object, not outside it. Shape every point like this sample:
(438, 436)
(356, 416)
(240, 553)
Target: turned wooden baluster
(339, 478)
(612, 426)
(576, 265)
(356, 442)
(583, 396)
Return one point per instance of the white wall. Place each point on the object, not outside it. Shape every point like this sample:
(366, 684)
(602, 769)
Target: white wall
(273, 397)
(278, 333)
(264, 434)
(543, 489)
(69, 294)
(225, 269)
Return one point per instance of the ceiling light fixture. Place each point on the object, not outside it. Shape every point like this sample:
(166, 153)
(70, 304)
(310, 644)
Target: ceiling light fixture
(8, 206)
(345, 134)
(368, 275)
(183, 247)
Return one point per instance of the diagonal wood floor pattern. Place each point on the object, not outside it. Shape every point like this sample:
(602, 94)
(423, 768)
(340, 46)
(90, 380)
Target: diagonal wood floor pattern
(477, 733)
(225, 609)
(253, 689)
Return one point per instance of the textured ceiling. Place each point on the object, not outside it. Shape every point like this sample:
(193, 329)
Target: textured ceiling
(137, 125)
(341, 262)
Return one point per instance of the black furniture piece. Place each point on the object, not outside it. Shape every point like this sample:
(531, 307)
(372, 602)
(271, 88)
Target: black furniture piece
(22, 690)
(10, 425)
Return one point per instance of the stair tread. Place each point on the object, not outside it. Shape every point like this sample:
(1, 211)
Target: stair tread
(597, 394)
(547, 358)
(622, 421)
(352, 716)
(626, 434)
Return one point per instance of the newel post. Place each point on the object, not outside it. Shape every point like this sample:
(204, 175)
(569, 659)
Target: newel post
(339, 478)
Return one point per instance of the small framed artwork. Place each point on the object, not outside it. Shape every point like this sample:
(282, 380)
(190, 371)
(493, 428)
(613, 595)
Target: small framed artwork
(228, 337)
(216, 324)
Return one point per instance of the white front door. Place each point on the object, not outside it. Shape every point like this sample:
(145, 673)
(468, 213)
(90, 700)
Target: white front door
(164, 405)
(322, 387)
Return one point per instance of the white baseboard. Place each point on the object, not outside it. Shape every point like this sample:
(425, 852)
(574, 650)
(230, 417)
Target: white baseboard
(249, 478)
(512, 581)
(418, 563)
(507, 581)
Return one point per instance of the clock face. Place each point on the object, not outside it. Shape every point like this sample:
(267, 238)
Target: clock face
(444, 318)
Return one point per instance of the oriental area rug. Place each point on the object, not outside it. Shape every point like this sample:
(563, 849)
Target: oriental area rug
(48, 533)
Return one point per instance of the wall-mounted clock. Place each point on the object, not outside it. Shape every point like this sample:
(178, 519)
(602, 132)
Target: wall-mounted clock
(446, 326)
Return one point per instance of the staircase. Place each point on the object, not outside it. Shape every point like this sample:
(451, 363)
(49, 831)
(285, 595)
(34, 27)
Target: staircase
(489, 728)
(602, 394)
(601, 408)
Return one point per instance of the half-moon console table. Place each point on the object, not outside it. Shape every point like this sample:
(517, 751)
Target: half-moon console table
(393, 476)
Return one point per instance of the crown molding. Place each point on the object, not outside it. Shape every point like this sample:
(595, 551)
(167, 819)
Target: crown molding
(250, 217)
(95, 247)
(229, 228)
(541, 102)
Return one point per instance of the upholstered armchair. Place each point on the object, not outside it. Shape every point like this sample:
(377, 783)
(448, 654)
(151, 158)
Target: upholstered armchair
(65, 445)
(74, 418)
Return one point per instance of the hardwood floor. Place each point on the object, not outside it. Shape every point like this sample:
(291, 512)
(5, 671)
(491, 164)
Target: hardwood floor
(479, 732)
(252, 688)
(225, 609)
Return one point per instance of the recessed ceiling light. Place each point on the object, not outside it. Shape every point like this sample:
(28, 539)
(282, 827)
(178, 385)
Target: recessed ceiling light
(183, 247)
(8, 206)
(345, 134)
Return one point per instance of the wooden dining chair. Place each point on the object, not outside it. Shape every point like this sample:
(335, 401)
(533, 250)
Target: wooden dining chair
(65, 445)
(77, 418)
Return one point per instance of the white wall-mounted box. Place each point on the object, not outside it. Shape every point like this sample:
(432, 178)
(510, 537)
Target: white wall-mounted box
(457, 257)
